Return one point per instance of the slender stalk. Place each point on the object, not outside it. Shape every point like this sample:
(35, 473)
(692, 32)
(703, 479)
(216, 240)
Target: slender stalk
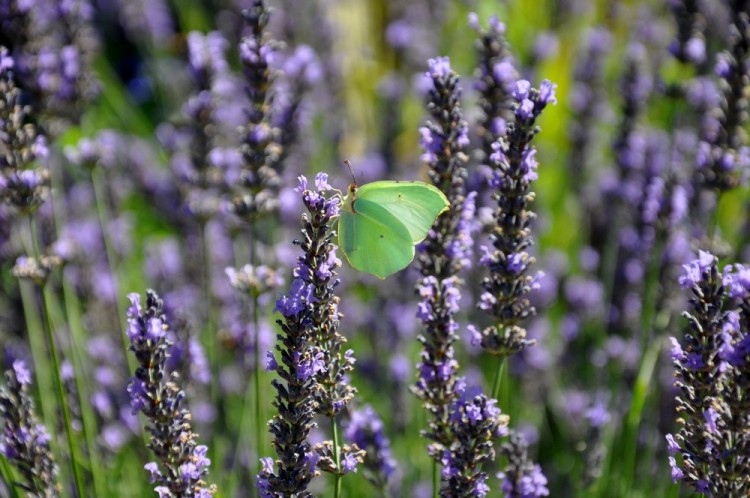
(209, 343)
(78, 341)
(435, 479)
(99, 199)
(7, 474)
(256, 351)
(56, 374)
(74, 459)
(336, 459)
(39, 357)
(83, 388)
(498, 379)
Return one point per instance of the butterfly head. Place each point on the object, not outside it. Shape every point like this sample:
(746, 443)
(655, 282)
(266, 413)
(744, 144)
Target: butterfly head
(351, 196)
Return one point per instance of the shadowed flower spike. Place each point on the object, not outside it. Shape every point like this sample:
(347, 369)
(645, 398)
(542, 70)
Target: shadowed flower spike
(155, 392)
(23, 440)
(506, 289)
(22, 185)
(711, 375)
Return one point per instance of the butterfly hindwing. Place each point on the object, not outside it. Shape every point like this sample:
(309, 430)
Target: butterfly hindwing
(414, 204)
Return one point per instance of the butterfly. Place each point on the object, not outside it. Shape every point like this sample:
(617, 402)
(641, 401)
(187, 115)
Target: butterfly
(381, 222)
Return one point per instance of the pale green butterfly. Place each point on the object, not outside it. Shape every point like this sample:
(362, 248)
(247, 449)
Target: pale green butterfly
(381, 222)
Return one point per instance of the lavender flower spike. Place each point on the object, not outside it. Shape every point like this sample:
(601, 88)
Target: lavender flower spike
(708, 451)
(521, 478)
(155, 392)
(476, 423)
(366, 430)
(21, 185)
(318, 268)
(310, 312)
(444, 252)
(24, 441)
(496, 78)
(509, 282)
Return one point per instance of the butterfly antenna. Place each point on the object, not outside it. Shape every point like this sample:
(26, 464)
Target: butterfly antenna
(351, 171)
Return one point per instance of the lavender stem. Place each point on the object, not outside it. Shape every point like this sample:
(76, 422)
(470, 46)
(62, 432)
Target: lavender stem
(498, 379)
(7, 476)
(60, 387)
(99, 198)
(336, 458)
(260, 450)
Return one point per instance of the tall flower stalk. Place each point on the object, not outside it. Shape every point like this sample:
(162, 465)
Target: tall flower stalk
(464, 422)
(506, 289)
(334, 392)
(24, 186)
(442, 254)
(311, 368)
(711, 377)
(496, 77)
(182, 465)
(266, 136)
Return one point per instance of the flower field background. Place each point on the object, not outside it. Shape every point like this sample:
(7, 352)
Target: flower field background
(176, 319)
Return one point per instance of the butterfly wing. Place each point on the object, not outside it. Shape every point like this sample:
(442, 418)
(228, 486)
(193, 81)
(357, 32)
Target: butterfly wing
(373, 240)
(415, 204)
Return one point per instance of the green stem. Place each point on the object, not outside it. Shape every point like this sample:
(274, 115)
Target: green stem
(74, 460)
(208, 340)
(39, 357)
(256, 351)
(82, 381)
(78, 349)
(56, 374)
(336, 459)
(99, 200)
(435, 479)
(498, 380)
(7, 474)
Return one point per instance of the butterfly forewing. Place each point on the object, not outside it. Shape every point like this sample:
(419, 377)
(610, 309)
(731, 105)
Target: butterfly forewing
(413, 204)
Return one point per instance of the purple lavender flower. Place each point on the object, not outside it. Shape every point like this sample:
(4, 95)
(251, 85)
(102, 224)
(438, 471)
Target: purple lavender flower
(710, 372)
(271, 126)
(689, 46)
(521, 477)
(724, 145)
(444, 253)
(476, 424)
(312, 370)
(506, 288)
(589, 103)
(22, 186)
(496, 80)
(24, 441)
(154, 392)
(365, 429)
